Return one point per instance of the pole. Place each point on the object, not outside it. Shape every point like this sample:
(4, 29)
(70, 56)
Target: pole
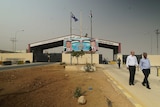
(80, 24)
(70, 35)
(70, 25)
(91, 35)
(157, 32)
(16, 38)
(13, 43)
(151, 44)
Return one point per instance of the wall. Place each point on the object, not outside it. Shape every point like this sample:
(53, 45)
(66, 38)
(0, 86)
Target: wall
(81, 60)
(16, 57)
(154, 59)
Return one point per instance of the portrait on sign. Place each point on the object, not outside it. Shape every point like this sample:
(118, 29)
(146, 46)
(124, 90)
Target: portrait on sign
(80, 44)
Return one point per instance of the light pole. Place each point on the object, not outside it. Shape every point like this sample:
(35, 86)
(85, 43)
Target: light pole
(157, 32)
(13, 43)
(16, 38)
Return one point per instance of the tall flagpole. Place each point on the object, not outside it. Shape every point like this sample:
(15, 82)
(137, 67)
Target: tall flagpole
(75, 19)
(80, 24)
(70, 35)
(91, 35)
(70, 25)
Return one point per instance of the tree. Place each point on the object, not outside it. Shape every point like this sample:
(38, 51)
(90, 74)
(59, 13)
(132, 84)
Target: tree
(77, 54)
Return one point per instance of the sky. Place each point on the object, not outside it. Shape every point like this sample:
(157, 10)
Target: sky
(130, 22)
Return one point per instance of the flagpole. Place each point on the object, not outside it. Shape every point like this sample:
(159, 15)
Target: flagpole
(91, 35)
(70, 25)
(70, 35)
(75, 19)
(80, 24)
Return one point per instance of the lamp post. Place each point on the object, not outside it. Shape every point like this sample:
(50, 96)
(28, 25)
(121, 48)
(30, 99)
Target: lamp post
(13, 42)
(16, 37)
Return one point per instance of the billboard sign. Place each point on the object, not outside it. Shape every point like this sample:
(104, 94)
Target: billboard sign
(80, 44)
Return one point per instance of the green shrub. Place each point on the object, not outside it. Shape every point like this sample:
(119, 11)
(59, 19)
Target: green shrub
(20, 62)
(89, 67)
(7, 62)
(77, 92)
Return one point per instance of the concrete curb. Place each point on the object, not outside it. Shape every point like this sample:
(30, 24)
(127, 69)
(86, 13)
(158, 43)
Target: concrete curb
(129, 96)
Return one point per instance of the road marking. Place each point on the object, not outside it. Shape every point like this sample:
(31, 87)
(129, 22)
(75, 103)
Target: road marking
(137, 105)
(124, 91)
(120, 87)
(114, 82)
(127, 94)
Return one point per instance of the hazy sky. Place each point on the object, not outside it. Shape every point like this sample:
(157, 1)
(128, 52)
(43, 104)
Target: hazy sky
(130, 22)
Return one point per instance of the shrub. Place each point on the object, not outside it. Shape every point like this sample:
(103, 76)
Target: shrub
(27, 61)
(1, 62)
(20, 62)
(77, 92)
(89, 67)
(7, 62)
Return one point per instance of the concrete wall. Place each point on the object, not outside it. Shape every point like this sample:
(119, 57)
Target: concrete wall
(16, 57)
(154, 59)
(81, 60)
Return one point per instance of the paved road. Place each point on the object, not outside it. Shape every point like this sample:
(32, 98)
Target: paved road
(15, 66)
(139, 95)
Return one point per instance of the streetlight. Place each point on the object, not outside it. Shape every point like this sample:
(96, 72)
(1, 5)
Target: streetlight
(13, 42)
(16, 38)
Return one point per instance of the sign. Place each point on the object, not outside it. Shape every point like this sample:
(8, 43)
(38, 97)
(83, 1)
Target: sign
(80, 44)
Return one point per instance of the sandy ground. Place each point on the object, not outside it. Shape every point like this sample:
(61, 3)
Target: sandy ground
(53, 86)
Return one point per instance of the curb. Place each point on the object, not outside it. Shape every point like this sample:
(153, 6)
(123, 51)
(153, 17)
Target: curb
(129, 96)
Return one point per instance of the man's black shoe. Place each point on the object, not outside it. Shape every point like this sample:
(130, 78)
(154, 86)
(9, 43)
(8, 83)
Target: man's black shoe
(132, 83)
(148, 87)
(143, 84)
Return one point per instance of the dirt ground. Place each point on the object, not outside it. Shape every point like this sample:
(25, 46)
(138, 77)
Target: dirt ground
(53, 86)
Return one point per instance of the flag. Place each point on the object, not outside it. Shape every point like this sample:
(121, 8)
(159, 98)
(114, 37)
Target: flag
(72, 16)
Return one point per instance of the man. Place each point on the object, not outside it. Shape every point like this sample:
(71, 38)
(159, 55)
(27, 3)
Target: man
(93, 45)
(68, 46)
(119, 62)
(131, 64)
(145, 67)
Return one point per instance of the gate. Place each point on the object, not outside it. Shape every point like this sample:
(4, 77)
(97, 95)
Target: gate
(55, 57)
(44, 57)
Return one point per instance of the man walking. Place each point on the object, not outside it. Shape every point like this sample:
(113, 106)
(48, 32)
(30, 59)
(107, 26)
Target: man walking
(119, 63)
(145, 67)
(131, 64)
